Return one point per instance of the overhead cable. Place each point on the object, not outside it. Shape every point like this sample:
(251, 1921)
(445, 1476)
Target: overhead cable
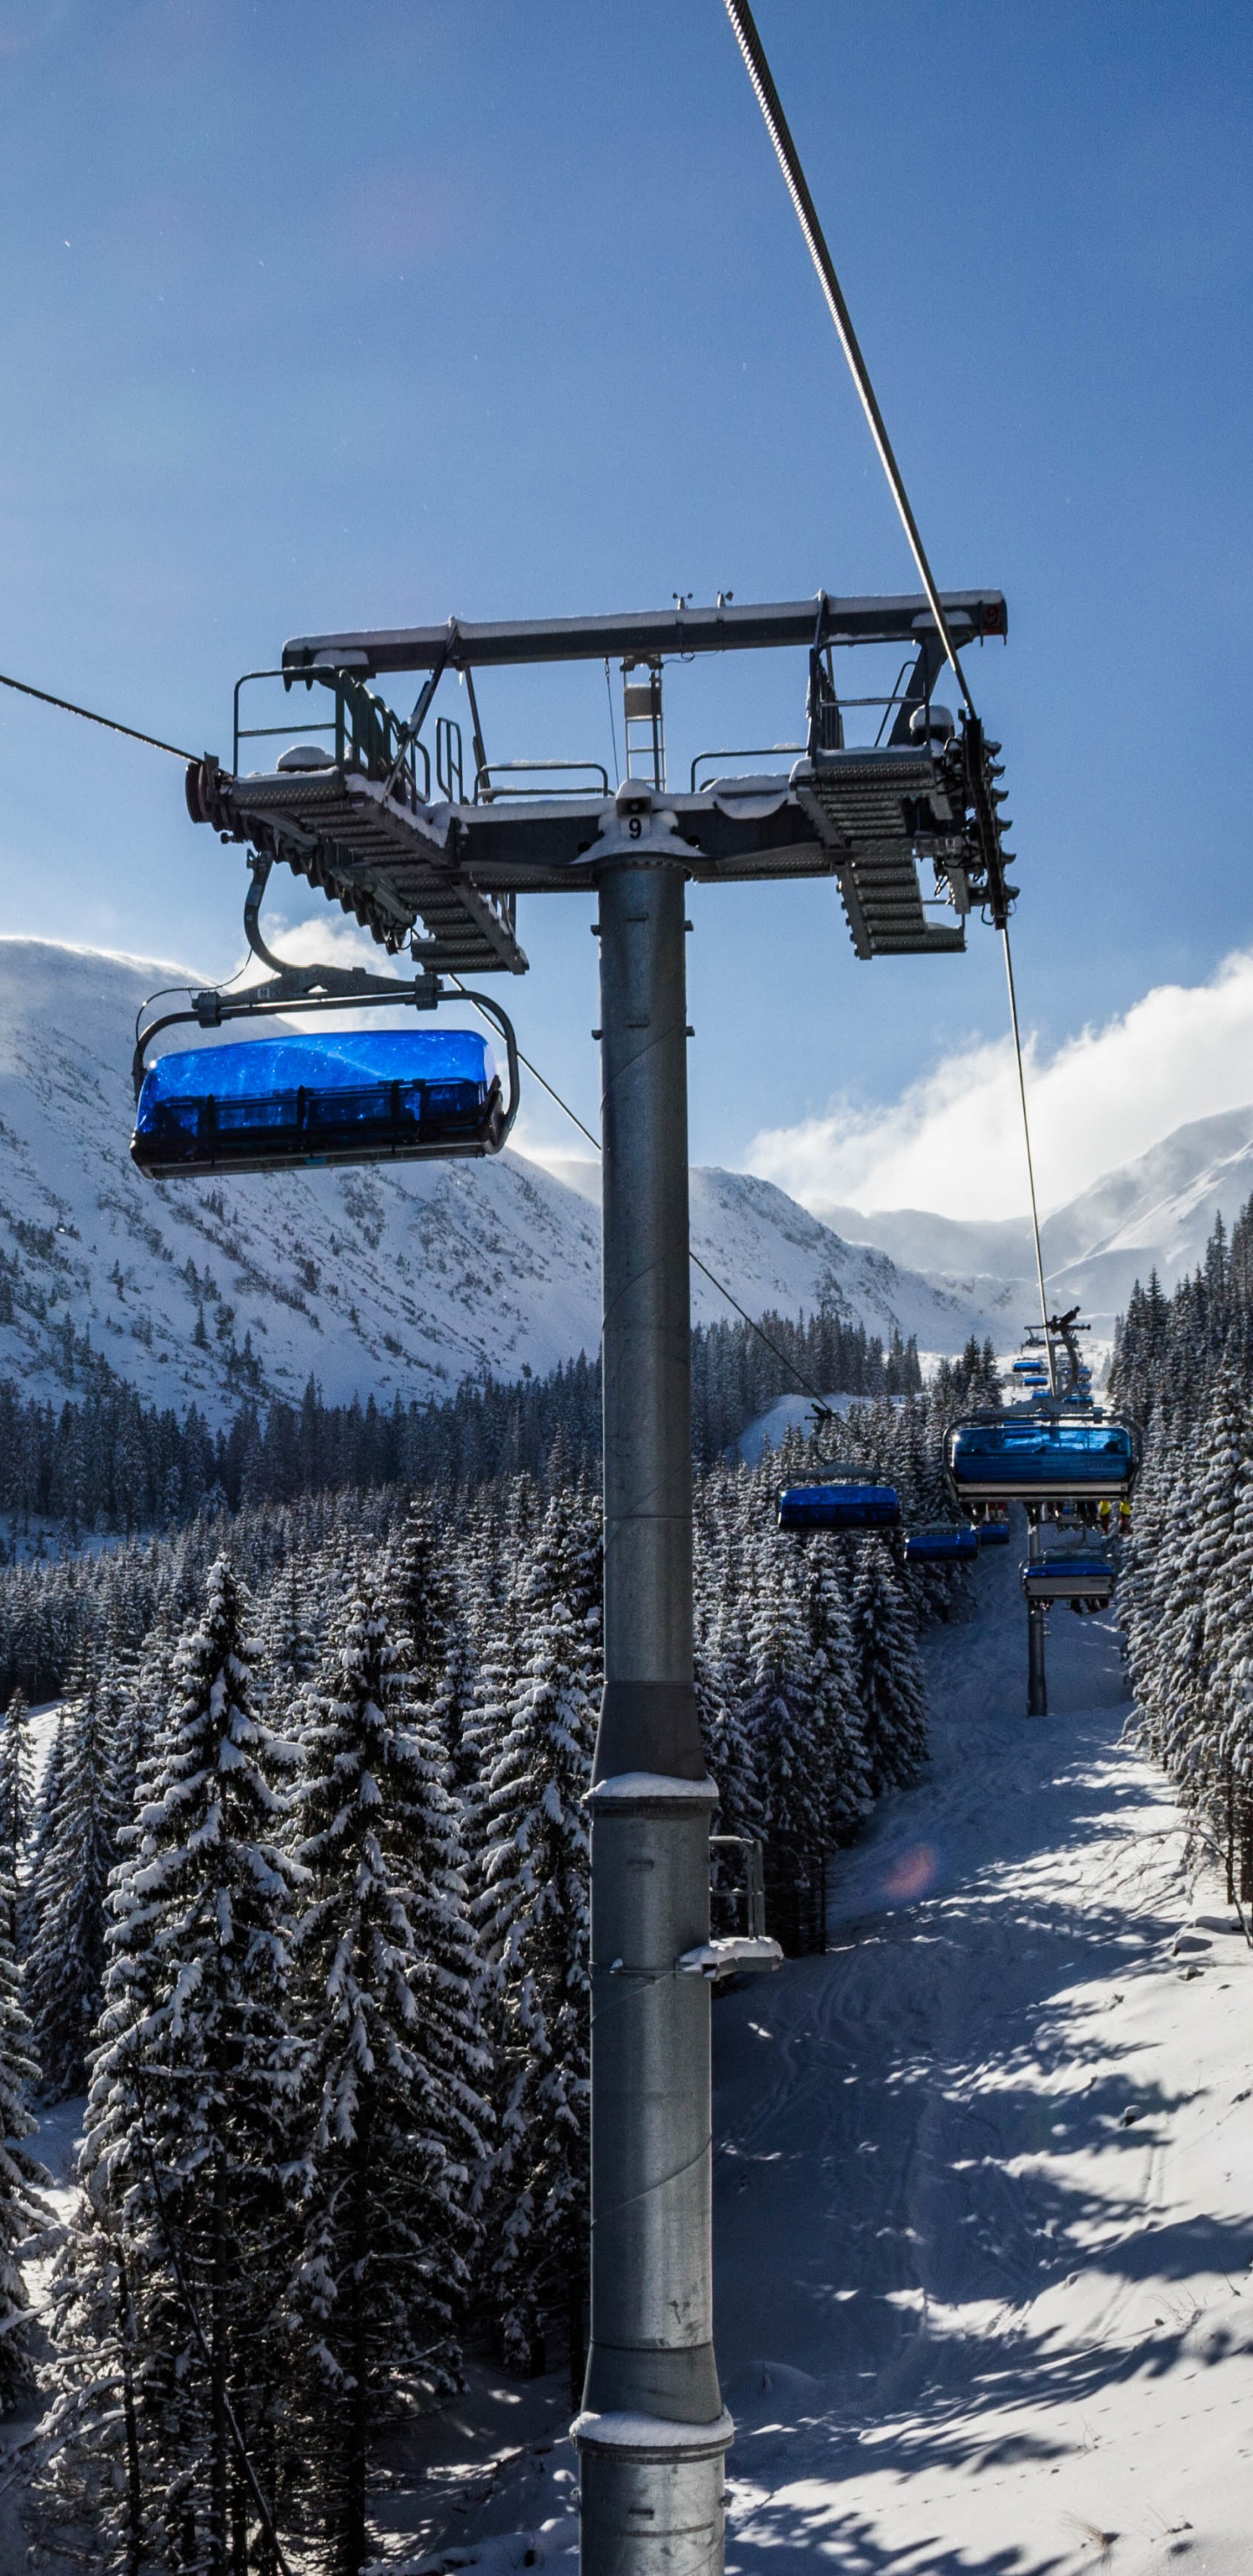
(89, 716)
(694, 1257)
(1026, 1129)
(771, 106)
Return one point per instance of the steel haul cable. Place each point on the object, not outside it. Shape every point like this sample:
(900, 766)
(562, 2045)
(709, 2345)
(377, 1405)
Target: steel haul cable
(694, 1257)
(1026, 1129)
(762, 78)
(777, 127)
(89, 716)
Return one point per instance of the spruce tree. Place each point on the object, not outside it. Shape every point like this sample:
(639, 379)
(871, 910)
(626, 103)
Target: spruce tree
(182, 2227)
(839, 1724)
(784, 1725)
(891, 1685)
(23, 2210)
(17, 1803)
(287, 1642)
(533, 1909)
(392, 2115)
(65, 1970)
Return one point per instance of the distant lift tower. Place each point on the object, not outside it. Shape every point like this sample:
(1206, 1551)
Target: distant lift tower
(353, 808)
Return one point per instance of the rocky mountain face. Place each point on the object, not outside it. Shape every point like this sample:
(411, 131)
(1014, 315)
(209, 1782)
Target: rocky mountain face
(378, 1280)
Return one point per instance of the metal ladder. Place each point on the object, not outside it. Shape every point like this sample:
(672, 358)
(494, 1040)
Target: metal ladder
(643, 723)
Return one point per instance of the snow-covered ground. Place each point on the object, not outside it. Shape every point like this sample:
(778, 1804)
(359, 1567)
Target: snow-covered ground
(984, 2184)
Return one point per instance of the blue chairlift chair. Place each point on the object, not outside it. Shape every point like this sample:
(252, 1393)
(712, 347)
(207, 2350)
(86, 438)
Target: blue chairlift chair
(1041, 1456)
(1085, 1580)
(355, 1096)
(845, 1502)
(941, 1543)
(322, 1096)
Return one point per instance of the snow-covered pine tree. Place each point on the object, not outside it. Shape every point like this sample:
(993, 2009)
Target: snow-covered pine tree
(533, 1910)
(187, 2140)
(486, 1723)
(65, 1968)
(1146, 1576)
(891, 1685)
(1177, 1658)
(418, 1591)
(838, 1720)
(287, 1642)
(47, 1807)
(17, 1804)
(720, 1673)
(1230, 1626)
(781, 1720)
(23, 2211)
(392, 2111)
(1205, 1619)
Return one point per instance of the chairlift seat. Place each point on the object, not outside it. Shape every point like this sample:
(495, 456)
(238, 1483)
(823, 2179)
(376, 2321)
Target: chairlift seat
(361, 1096)
(842, 1506)
(940, 1545)
(1069, 1578)
(992, 1534)
(1037, 1456)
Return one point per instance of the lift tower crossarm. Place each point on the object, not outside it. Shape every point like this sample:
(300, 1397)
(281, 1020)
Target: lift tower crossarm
(971, 614)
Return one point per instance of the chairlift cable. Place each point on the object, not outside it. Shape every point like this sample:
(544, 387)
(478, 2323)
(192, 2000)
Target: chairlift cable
(801, 1380)
(89, 716)
(771, 106)
(777, 127)
(532, 1069)
(1026, 1131)
(694, 1257)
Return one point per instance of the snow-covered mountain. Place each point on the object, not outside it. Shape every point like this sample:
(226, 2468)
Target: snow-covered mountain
(381, 1280)
(1155, 1212)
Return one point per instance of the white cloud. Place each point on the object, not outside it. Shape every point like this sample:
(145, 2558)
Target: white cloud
(953, 1140)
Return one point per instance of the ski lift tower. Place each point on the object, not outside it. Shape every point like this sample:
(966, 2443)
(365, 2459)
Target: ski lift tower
(422, 862)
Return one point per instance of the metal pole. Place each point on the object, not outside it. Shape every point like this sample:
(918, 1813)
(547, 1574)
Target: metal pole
(1037, 1615)
(652, 2434)
(1037, 1685)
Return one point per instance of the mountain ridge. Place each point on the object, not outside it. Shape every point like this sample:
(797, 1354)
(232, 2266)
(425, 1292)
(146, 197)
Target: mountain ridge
(1156, 1211)
(380, 1279)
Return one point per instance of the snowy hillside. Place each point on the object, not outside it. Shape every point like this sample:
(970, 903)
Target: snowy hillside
(1155, 1212)
(379, 1281)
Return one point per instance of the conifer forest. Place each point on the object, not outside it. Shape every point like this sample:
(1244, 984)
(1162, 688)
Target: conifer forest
(299, 1902)
(1183, 1366)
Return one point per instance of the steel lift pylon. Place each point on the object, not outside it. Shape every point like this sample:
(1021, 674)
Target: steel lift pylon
(352, 807)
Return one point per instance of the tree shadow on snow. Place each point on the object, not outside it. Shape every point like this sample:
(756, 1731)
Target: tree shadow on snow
(961, 2131)
(790, 2537)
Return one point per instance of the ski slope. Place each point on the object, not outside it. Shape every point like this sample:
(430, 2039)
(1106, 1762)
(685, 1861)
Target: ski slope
(984, 2185)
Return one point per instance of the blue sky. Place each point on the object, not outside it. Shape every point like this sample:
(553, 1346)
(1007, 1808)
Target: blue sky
(316, 317)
